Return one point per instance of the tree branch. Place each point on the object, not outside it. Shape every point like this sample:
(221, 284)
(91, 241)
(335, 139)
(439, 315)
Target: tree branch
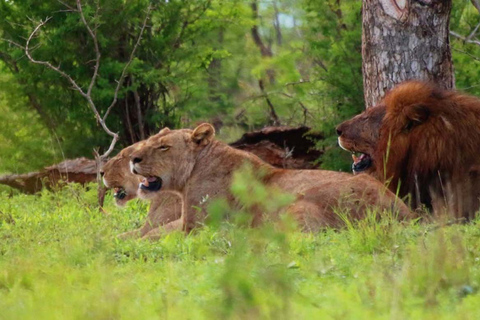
(264, 50)
(465, 39)
(474, 32)
(139, 112)
(273, 115)
(87, 95)
(93, 35)
(186, 23)
(48, 64)
(132, 54)
(70, 8)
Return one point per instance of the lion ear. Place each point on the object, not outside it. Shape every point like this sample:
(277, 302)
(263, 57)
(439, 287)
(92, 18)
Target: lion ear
(203, 134)
(164, 130)
(416, 114)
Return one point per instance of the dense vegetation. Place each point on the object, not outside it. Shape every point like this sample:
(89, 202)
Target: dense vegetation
(224, 61)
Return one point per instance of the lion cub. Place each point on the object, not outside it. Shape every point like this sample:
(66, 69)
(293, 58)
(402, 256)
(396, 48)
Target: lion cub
(194, 164)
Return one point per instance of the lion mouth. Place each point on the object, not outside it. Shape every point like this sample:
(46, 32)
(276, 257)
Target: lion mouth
(151, 184)
(361, 162)
(119, 193)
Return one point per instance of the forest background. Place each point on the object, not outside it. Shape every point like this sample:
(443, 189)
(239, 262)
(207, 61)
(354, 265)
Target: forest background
(241, 65)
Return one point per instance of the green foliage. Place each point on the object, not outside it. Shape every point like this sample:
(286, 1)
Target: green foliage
(25, 143)
(59, 259)
(248, 188)
(466, 56)
(165, 58)
(197, 61)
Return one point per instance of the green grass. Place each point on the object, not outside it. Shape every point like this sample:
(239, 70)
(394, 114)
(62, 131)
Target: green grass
(59, 259)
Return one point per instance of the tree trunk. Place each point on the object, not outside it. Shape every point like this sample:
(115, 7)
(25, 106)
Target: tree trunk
(402, 40)
(266, 52)
(215, 72)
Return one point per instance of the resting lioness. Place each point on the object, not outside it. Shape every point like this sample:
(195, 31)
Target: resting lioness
(196, 165)
(164, 207)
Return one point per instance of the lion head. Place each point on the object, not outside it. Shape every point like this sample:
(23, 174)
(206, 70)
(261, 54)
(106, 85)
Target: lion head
(359, 136)
(116, 175)
(167, 159)
(418, 138)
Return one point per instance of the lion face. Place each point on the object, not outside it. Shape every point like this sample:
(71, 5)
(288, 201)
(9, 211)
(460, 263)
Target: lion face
(423, 141)
(116, 175)
(166, 160)
(360, 136)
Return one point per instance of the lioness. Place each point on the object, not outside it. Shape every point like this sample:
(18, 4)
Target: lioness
(164, 207)
(194, 164)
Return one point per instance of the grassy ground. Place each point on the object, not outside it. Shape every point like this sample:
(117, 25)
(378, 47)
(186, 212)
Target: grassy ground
(59, 259)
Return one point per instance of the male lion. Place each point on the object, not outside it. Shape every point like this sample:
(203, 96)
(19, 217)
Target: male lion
(424, 142)
(164, 207)
(194, 164)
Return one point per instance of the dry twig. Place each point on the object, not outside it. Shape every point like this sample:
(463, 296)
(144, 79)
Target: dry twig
(88, 93)
(465, 39)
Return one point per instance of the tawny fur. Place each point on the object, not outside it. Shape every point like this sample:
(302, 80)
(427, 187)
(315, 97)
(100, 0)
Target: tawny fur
(194, 164)
(164, 207)
(426, 145)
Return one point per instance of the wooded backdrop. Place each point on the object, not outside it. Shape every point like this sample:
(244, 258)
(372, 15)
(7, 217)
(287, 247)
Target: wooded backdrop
(238, 64)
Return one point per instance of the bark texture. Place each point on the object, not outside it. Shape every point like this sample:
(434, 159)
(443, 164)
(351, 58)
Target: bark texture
(402, 40)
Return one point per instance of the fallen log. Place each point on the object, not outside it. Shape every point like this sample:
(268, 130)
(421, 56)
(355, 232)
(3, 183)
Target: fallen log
(80, 170)
(283, 147)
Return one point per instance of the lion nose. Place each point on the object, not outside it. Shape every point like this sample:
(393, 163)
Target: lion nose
(136, 160)
(339, 130)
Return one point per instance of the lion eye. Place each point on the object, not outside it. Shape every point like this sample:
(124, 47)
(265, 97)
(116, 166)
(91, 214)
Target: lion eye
(409, 126)
(163, 148)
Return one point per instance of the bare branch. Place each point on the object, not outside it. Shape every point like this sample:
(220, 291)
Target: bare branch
(87, 95)
(273, 115)
(132, 54)
(467, 54)
(70, 8)
(474, 32)
(13, 43)
(301, 81)
(93, 35)
(320, 64)
(186, 23)
(465, 39)
(46, 63)
(76, 86)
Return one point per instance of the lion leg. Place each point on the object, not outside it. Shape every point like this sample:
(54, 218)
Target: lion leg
(165, 210)
(312, 216)
(137, 233)
(157, 233)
